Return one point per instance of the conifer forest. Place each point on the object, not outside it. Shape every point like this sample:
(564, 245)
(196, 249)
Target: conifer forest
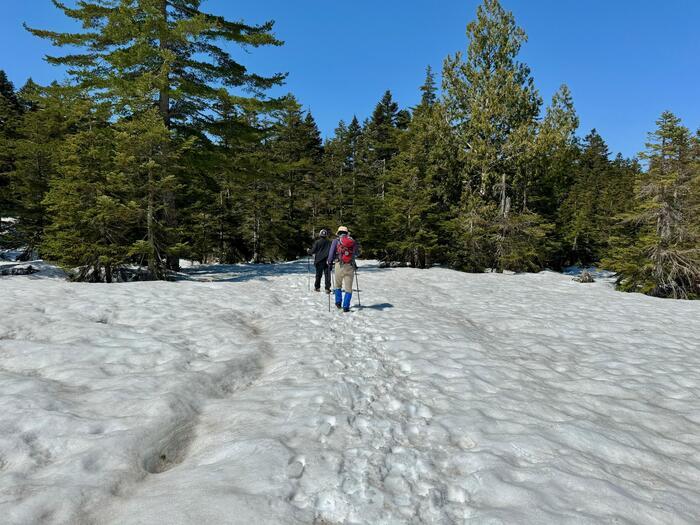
(159, 145)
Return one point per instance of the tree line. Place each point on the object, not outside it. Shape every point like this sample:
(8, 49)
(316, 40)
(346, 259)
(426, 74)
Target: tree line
(161, 146)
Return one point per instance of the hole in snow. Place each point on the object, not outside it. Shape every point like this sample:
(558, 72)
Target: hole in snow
(171, 450)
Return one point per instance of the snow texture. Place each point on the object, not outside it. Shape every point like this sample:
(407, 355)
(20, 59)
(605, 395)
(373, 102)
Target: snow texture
(235, 397)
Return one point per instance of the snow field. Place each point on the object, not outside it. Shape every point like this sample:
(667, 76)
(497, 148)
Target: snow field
(447, 398)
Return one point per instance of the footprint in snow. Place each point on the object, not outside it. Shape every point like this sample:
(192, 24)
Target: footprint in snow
(295, 467)
(465, 442)
(328, 426)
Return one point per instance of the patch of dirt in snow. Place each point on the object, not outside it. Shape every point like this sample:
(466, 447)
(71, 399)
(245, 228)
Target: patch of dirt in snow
(171, 449)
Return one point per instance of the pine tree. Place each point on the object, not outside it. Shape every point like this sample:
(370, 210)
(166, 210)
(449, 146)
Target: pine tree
(265, 205)
(429, 89)
(616, 198)
(491, 97)
(555, 155)
(411, 220)
(472, 246)
(582, 237)
(147, 160)
(315, 181)
(663, 258)
(92, 215)
(447, 164)
(296, 148)
(214, 223)
(600, 191)
(693, 201)
(140, 54)
(377, 147)
(10, 113)
(492, 102)
(340, 161)
(47, 118)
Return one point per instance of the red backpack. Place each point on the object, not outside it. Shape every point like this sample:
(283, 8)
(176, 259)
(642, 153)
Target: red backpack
(346, 249)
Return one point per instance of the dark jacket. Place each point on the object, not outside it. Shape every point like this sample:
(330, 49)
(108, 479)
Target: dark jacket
(320, 249)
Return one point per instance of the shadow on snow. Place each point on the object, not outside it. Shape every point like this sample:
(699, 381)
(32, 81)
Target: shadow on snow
(381, 306)
(234, 273)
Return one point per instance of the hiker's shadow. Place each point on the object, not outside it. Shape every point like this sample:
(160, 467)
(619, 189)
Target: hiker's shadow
(381, 306)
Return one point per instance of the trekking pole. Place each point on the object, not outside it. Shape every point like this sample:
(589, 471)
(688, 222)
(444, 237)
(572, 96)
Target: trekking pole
(308, 272)
(329, 294)
(357, 280)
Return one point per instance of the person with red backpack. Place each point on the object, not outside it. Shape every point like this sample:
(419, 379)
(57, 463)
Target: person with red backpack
(343, 251)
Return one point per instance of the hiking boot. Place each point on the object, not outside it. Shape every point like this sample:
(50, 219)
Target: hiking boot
(338, 305)
(346, 301)
(317, 289)
(328, 291)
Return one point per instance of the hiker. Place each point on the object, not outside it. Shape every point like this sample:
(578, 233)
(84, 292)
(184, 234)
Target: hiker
(320, 250)
(343, 251)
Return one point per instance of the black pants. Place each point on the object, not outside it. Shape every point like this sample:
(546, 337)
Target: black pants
(322, 269)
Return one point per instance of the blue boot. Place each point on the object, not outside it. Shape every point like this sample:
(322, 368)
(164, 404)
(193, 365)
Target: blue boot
(338, 298)
(346, 301)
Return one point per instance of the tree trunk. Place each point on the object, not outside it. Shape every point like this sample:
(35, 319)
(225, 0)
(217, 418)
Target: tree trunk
(164, 95)
(503, 195)
(150, 233)
(172, 262)
(256, 239)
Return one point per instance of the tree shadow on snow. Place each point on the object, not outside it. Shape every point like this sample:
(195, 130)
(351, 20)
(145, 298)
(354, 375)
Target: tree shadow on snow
(236, 273)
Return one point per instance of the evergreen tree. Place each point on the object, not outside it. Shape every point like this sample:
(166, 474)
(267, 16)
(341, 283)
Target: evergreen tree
(296, 148)
(411, 219)
(447, 164)
(491, 98)
(48, 116)
(148, 161)
(140, 54)
(662, 258)
(10, 113)
(317, 195)
(429, 89)
(265, 207)
(214, 221)
(472, 247)
(600, 191)
(89, 203)
(556, 150)
(377, 147)
(340, 172)
(581, 234)
(694, 188)
(492, 103)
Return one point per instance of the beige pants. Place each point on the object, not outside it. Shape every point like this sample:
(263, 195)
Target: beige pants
(344, 274)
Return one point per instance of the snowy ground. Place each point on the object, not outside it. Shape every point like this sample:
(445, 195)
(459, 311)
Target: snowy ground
(236, 398)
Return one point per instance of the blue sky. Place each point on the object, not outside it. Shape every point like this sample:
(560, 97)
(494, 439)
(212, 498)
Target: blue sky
(625, 61)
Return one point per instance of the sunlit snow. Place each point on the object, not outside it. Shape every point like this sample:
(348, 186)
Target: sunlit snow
(233, 396)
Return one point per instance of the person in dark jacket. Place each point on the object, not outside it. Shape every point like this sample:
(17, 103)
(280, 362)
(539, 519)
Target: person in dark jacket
(320, 250)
